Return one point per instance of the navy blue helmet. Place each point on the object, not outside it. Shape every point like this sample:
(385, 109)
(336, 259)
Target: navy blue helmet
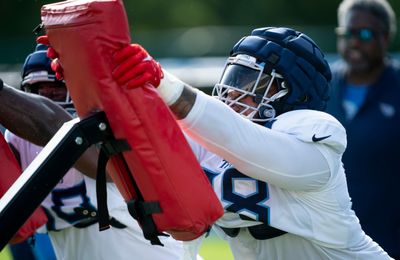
(37, 70)
(275, 54)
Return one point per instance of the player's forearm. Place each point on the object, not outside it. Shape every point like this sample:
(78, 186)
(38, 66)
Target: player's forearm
(178, 95)
(32, 117)
(184, 104)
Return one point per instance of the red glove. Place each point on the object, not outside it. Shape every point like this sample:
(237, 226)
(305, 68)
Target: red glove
(52, 54)
(136, 67)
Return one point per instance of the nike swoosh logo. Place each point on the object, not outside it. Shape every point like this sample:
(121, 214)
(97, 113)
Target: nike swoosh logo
(317, 139)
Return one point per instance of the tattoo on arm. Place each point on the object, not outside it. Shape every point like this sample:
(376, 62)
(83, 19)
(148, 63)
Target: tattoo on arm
(184, 104)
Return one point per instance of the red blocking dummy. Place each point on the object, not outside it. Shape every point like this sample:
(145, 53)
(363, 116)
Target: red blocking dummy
(9, 173)
(85, 34)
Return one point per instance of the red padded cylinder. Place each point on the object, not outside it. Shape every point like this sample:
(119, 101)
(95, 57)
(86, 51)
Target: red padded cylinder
(85, 34)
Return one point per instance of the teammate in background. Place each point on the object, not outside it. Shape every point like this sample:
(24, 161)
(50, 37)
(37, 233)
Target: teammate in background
(71, 206)
(366, 100)
(271, 154)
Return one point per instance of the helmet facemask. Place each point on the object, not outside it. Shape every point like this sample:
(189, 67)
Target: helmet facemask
(242, 77)
(54, 90)
(39, 78)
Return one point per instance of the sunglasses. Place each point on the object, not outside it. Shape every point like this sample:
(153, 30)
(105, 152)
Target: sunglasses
(362, 34)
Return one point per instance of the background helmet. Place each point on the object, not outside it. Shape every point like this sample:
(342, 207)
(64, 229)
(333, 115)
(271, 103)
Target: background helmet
(37, 70)
(282, 55)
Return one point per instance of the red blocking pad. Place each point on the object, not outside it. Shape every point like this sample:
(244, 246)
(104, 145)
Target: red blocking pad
(85, 34)
(9, 173)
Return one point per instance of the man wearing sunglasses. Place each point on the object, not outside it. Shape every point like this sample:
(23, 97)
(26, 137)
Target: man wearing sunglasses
(366, 99)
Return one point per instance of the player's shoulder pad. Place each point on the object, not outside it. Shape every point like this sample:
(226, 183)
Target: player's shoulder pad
(314, 127)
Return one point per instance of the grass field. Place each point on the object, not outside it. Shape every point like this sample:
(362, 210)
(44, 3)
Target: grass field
(5, 254)
(213, 248)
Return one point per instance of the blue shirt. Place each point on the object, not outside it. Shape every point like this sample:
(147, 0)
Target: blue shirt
(354, 96)
(371, 160)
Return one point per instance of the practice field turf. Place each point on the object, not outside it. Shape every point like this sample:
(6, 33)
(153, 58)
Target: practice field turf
(5, 254)
(213, 248)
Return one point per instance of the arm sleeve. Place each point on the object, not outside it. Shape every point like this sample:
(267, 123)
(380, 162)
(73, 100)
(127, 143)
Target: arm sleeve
(259, 152)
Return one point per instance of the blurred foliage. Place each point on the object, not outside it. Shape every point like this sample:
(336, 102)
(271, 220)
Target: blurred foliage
(186, 28)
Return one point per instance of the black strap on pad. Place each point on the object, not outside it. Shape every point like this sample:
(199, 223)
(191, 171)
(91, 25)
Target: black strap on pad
(108, 149)
(141, 211)
(138, 208)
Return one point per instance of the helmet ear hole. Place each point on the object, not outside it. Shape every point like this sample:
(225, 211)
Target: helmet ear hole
(266, 112)
(304, 99)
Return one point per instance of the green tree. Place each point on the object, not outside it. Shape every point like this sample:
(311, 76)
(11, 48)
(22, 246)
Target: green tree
(185, 28)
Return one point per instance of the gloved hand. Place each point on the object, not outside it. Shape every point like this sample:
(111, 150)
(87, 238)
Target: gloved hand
(136, 67)
(52, 54)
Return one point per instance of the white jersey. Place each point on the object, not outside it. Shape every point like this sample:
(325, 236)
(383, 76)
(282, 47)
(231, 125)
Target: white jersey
(289, 176)
(70, 192)
(76, 192)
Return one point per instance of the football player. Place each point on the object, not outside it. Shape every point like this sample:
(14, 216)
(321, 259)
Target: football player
(271, 153)
(71, 206)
